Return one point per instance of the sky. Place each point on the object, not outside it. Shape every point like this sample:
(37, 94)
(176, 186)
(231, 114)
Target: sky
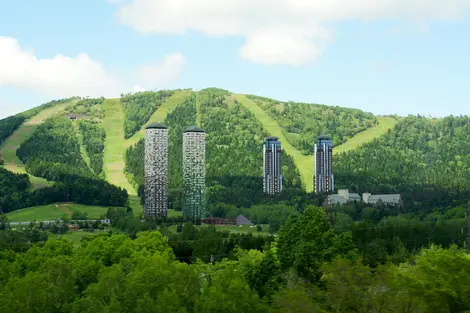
(382, 56)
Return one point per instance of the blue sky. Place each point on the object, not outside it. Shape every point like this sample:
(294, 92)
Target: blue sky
(402, 57)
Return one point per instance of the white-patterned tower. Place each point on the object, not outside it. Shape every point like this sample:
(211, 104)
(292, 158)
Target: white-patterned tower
(194, 172)
(156, 171)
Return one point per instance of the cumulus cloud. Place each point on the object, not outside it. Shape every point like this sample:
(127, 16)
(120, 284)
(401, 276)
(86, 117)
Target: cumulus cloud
(167, 71)
(290, 32)
(63, 76)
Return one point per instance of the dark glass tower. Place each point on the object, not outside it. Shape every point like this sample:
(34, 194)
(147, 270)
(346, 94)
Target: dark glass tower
(323, 180)
(272, 182)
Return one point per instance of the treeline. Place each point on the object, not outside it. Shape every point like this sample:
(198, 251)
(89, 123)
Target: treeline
(138, 107)
(303, 122)
(309, 268)
(385, 234)
(427, 161)
(92, 107)
(9, 124)
(93, 137)
(16, 192)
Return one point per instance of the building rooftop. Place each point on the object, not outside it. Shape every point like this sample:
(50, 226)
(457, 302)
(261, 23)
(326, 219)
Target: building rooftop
(323, 137)
(193, 129)
(156, 125)
(271, 138)
(392, 198)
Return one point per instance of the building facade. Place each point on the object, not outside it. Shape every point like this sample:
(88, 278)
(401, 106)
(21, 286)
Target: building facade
(194, 173)
(156, 171)
(323, 179)
(272, 182)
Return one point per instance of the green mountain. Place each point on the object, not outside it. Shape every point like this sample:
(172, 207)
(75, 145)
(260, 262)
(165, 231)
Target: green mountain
(101, 141)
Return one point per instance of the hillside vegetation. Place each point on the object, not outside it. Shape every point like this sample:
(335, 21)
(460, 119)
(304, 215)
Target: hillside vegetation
(418, 157)
(106, 142)
(303, 122)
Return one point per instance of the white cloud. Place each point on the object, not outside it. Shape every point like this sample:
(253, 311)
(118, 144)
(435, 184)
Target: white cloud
(63, 76)
(167, 71)
(137, 88)
(277, 31)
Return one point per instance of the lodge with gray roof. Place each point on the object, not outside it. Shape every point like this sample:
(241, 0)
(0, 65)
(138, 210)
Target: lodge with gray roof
(344, 196)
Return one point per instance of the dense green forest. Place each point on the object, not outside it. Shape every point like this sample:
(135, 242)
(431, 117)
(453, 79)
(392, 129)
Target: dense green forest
(303, 122)
(426, 160)
(138, 107)
(93, 137)
(53, 152)
(309, 267)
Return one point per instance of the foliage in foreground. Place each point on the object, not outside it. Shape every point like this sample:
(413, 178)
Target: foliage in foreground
(113, 273)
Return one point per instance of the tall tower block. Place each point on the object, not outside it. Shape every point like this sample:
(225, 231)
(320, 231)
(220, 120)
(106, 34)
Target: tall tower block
(272, 182)
(156, 171)
(194, 172)
(323, 179)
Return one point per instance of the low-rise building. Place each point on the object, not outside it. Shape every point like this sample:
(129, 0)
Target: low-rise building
(344, 196)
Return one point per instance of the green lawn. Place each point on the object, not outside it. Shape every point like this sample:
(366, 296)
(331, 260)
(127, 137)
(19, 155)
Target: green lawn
(52, 211)
(303, 162)
(74, 236)
(385, 123)
(115, 147)
(24, 132)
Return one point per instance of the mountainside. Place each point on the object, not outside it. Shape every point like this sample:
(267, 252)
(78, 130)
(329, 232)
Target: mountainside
(102, 139)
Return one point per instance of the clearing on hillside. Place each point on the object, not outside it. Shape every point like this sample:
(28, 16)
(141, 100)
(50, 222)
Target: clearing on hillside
(385, 123)
(8, 148)
(114, 149)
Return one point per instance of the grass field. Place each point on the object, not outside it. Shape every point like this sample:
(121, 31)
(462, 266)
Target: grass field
(303, 162)
(160, 114)
(114, 149)
(75, 237)
(385, 123)
(52, 211)
(24, 132)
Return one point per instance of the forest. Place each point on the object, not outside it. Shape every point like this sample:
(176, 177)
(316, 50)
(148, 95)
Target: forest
(138, 107)
(93, 138)
(427, 161)
(303, 122)
(308, 267)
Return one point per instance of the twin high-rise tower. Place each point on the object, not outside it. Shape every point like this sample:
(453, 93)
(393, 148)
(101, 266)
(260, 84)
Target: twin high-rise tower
(156, 172)
(323, 179)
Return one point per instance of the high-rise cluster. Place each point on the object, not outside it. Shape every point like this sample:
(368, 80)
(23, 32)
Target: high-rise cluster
(323, 179)
(194, 172)
(156, 172)
(272, 182)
